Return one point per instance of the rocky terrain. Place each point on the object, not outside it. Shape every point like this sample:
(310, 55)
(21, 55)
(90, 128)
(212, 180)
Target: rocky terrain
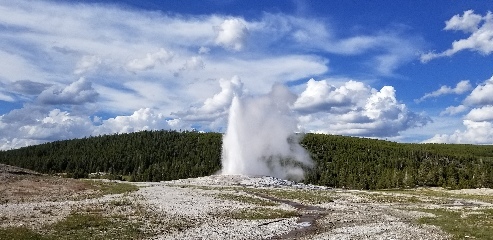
(231, 207)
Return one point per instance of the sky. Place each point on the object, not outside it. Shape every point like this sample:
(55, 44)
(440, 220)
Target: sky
(404, 71)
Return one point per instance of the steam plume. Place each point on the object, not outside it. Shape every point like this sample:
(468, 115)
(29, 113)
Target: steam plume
(260, 138)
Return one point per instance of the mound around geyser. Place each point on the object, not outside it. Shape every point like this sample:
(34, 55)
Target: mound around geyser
(260, 138)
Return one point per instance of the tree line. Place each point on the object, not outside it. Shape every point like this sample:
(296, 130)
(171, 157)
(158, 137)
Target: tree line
(350, 162)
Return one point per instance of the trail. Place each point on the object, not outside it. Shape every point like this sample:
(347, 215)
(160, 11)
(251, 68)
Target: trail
(308, 217)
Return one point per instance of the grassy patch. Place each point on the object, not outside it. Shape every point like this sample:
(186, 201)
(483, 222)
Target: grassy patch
(443, 194)
(390, 198)
(245, 199)
(94, 226)
(79, 226)
(478, 225)
(112, 187)
(263, 213)
(20, 233)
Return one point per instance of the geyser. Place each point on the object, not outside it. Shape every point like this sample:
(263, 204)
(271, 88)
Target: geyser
(260, 138)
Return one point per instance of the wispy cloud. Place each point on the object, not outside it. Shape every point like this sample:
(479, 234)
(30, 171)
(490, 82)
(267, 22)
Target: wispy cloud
(480, 39)
(460, 88)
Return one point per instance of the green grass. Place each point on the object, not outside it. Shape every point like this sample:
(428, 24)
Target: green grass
(79, 226)
(473, 225)
(443, 194)
(112, 187)
(389, 198)
(20, 233)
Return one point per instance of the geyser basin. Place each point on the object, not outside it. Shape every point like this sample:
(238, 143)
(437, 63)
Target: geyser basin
(260, 138)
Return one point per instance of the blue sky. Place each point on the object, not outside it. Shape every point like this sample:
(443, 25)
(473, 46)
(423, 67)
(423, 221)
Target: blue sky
(406, 71)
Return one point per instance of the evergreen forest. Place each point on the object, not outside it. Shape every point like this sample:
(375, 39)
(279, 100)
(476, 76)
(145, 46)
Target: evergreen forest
(343, 162)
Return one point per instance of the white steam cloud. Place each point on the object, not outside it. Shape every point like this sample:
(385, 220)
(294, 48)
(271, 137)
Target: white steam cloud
(260, 138)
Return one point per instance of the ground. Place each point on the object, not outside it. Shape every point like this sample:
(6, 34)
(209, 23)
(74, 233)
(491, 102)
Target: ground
(232, 207)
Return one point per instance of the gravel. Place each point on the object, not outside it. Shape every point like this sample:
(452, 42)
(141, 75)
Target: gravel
(349, 216)
(194, 209)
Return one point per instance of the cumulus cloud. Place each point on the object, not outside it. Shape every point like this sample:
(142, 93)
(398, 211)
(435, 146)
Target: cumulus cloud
(481, 114)
(78, 92)
(232, 34)
(355, 109)
(217, 105)
(460, 88)
(475, 133)
(321, 96)
(37, 124)
(142, 119)
(150, 61)
(58, 124)
(482, 94)
(468, 22)
(33, 124)
(480, 39)
(477, 123)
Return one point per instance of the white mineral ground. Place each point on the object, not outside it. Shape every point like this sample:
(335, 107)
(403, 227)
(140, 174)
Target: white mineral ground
(351, 215)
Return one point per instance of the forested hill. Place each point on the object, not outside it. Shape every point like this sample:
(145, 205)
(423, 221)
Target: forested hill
(341, 161)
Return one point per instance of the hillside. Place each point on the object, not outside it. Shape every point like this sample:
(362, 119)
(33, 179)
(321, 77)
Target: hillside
(348, 162)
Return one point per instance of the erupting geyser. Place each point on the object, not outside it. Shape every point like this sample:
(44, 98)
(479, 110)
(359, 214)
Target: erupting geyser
(260, 138)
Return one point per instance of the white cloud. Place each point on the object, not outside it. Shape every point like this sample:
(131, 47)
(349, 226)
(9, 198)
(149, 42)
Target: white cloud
(480, 40)
(453, 110)
(217, 105)
(388, 49)
(475, 133)
(87, 63)
(460, 88)
(354, 109)
(17, 67)
(194, 63)
(142, 119)
(321, 96)
(258, 75)
(468, 22)
(383, 104)
(484, 113)
(482, 94)
(477, 123)
(35, 124)
(232, 34)
(6, 97)
(150, 61)
(78, 92)
(137, 67)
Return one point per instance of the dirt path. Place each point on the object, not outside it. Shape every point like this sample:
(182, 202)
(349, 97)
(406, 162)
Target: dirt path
(307, 220)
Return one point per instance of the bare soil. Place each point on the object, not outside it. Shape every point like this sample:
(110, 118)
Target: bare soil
(22, 185)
